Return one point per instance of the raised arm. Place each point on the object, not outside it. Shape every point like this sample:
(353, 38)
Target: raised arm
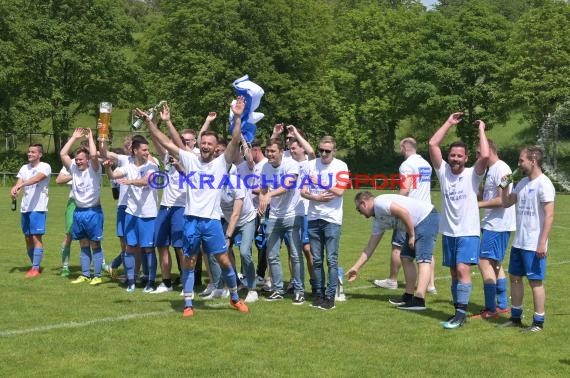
(233, 145)
(434, 148)
(206, 125)
(277, 130)
(162, 139)
(302, 142)
(64, 152)
(174, 135)
(93, 157)
(247, 153)
(481, 163)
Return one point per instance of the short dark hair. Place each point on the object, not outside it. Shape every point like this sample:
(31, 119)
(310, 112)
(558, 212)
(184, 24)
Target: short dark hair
(459, 143)
(276, 141)
(534, 153)
(363, 196)
(82, 149)
(211, 133)
(38, 145)
(138, 142)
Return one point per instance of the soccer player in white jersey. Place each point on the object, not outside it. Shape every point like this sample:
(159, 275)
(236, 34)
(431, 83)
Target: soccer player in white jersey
(417, 184)
(420, 222)
(141, 212)
(34, 179)
(278, 185)
(496, 227)
(202, 212)
(88, 215)
(534, 197)
(325, 219)
(459, 219)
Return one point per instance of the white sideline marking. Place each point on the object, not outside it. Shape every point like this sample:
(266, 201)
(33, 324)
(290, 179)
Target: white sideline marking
(81, 324)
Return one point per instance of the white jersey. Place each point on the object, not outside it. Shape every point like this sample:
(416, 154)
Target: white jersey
(302, 208)
(327, 175)
(498, 218)
(459, 201)
(65, 172)
(255, 181)
(141, 200)
(417, 165)
(172, 194)
(531, 195)
(35, 197)
(86, 185)
(383, 218)
(203, 184)
(123, 160)
(237, 190)
(272, 178)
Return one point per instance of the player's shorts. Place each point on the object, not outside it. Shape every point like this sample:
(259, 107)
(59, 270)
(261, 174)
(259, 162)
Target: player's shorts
(399, 238)
(33, 223)
(460, 250)
(121, 211)
(207, 231)
(69, 210)
(526, 263)
(426, 234)
(139, 232)
(169, 227)
(87, 223)
(494, 244)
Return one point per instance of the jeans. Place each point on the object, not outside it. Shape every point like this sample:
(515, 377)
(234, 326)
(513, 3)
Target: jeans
(247, 266)
(276, 228)
(323, 234)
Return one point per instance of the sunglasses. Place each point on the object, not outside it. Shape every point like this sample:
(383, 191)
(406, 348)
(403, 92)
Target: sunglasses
(323, 151)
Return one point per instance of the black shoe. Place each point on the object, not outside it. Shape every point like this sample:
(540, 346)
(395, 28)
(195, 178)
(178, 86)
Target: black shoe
(535, 327)
(327, 304)
(416, 304)
(513, 322)
(275, 296)
(299, 299)
(317, 301)
(399, 301)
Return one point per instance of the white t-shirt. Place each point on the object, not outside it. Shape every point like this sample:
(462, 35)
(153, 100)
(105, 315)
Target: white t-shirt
(237, 190)
(417, 165)
(302, 208)
(531, 195)
(123, 160)
(35, 197)
(172, 194)
(201, 199)
(141, 200)
(327, 173)
(272, 178)
(498, 218)
(254, 182)
(86, 185)
(383, 218)
(459, 201)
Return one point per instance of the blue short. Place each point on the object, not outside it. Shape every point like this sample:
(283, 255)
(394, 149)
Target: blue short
(139, 232)
(494, 244)
(169, 227)
(460, 250)
(426, 234)
(526, 263)
(88, 223)
(399, 238)
(34, 223)
(205, 231)
(121, 211)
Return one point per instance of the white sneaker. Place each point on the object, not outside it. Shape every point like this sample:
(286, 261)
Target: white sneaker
(386, 284)
(162, 288)
(432, 290)
(267, 285)
(208, 290)
(251, 297)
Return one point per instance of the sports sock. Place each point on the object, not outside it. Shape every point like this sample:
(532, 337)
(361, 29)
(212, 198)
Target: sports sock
(98, 258)
(167, 282)
(130, 267)
(538, 318)
(454, 290)
(65, 253)
(463, 293)
(37, 257)
(516, 312)
(490, 290)
(188, 285)
(231, 282)
(502, 299)
(31, 255)
(151, 263)
(85, 259)
(117, 261)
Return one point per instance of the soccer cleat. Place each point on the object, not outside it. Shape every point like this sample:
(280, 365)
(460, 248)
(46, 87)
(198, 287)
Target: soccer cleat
(208, 290)
(188, 312)
(453, 323)
(131, 288)
(486, 314)
(512, 322)
(327, 304)
(416, 304)
(81, 279)
(162, 288)
(251, 297)
(64, 272)
(275, 296)
(535, 327)
(299, 299)
(239, 305)
(386, 284)
(503, 310)
(33, 272)
(432, 290)
(95, 281)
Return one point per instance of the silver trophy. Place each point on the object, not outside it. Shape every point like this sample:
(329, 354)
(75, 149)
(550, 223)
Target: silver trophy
(137, 122)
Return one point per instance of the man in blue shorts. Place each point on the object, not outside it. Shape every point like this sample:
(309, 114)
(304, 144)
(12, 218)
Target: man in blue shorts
(459, 222)
(534, 196)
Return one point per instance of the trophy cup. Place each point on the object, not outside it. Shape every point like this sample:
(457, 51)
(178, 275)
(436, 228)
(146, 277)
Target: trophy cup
(105, 121)
(151, 113)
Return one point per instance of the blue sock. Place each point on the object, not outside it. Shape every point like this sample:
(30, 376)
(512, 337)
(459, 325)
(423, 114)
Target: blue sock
(117, 261)
(188, 285)
(490, 290)
(502, 299)
(230, 279)
(516, 312)
(454, 290)
(538, 318)
(85, 259)
(151, 262)
(130, 267)
(463, 293)
(65, 252)
(31, 255)
(97, 261)
(38, 253)
(144, 264)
